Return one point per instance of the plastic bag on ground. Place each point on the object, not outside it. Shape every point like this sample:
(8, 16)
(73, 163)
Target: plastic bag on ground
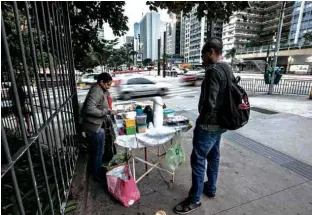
(119, 158)
(122, 186)
(175, 156)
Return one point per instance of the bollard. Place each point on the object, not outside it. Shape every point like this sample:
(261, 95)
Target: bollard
(310, 97)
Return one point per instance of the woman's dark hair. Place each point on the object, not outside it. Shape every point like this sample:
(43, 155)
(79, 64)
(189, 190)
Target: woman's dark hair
(105, 77)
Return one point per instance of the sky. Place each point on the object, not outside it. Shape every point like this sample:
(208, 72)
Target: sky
(134, 11)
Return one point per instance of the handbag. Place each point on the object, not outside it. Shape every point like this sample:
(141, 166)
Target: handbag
(122, 186)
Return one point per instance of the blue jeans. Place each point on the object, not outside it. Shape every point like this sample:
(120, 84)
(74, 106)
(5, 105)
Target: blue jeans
(206, 147)
(96, 152)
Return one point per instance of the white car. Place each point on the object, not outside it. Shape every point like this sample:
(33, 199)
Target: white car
(140, 86)
(87, 80)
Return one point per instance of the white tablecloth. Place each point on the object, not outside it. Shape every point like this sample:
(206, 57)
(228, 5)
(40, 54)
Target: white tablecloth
(152, 137)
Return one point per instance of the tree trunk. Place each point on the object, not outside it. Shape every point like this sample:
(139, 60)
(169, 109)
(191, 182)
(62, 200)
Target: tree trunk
(209, 28)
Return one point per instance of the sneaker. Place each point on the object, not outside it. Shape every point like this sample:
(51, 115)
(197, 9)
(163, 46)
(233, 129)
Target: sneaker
(186, 207)
(208, 194)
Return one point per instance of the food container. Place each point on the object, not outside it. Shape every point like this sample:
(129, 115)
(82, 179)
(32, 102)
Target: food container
(119, 123)
(141, 119)
(130, 130)
(169, 113)
(129, 123)
(141, 128)
(139, 112)
(130, 115)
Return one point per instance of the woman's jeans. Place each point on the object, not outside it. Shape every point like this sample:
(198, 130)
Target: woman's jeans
(206, 148)
(96, 152)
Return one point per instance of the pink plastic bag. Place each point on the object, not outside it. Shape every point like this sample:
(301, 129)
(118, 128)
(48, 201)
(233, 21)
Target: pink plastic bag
(122, 186)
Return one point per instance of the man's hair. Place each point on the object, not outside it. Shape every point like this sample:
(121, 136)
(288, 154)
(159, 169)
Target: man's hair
(214, 43)
(105, 77)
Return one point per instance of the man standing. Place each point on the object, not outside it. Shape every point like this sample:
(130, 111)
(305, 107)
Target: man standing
(207, 132)
(94, 112)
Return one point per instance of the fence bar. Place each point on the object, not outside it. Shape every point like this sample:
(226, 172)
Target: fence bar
(51, 69)
(4, 142)
(51, 119)
(16, 97)
(72, 68)
(70, 81)
(34, 58)
(65, 91)
(21, 152)
(53, 90)
(58, 88)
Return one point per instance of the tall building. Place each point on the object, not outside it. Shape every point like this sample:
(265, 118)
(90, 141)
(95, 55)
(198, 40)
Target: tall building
(149, 34)
(129, 40)
(173, 35)
(136, 28)
(194, 35)
(270, 12)
(301, 22)
(240, 31)
(256, 26)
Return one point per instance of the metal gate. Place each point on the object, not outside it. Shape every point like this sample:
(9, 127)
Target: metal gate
(38, 107)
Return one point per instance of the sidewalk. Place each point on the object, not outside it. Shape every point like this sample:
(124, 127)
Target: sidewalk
(249, 184)
(292, 104)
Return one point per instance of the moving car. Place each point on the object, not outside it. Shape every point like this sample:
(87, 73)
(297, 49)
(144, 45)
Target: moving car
(87, 80)
(178, 71)
(194, 77)
(140, 86)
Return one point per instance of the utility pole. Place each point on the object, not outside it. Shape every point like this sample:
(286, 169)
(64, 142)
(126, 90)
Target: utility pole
(158, 66)
(164, 56)
(277, 46)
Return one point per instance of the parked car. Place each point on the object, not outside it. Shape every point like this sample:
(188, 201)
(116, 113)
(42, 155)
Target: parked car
(193, 78)
(139, 86)
(87, 80)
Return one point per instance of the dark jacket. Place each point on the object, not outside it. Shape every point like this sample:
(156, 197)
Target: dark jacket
(95, 109)
(212, 96)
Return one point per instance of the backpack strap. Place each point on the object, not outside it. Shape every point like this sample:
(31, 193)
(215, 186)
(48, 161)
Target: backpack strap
(229, 80)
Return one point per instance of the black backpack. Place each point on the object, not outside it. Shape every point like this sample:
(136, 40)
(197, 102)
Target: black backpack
(234, 113)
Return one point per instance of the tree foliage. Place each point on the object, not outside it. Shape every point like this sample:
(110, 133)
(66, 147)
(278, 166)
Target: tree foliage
(231, 54)
(87, 17)
(212, 10)
(147, 62)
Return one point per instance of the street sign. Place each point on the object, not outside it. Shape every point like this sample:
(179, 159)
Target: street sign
(139, 57)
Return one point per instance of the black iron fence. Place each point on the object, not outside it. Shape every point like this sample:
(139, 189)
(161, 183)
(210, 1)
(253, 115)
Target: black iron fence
(38, 108)
(285, 86)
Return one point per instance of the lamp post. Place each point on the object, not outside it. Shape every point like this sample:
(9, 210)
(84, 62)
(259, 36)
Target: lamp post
(164, 56)
(277, 46)
(171, 21)
(158, 63)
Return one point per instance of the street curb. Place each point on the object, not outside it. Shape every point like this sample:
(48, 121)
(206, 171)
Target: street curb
(80, 181)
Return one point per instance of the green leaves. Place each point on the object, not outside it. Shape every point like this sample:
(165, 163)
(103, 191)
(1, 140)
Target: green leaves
(147, 62)
(212, 10)
(231, 53)
(86, 18)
